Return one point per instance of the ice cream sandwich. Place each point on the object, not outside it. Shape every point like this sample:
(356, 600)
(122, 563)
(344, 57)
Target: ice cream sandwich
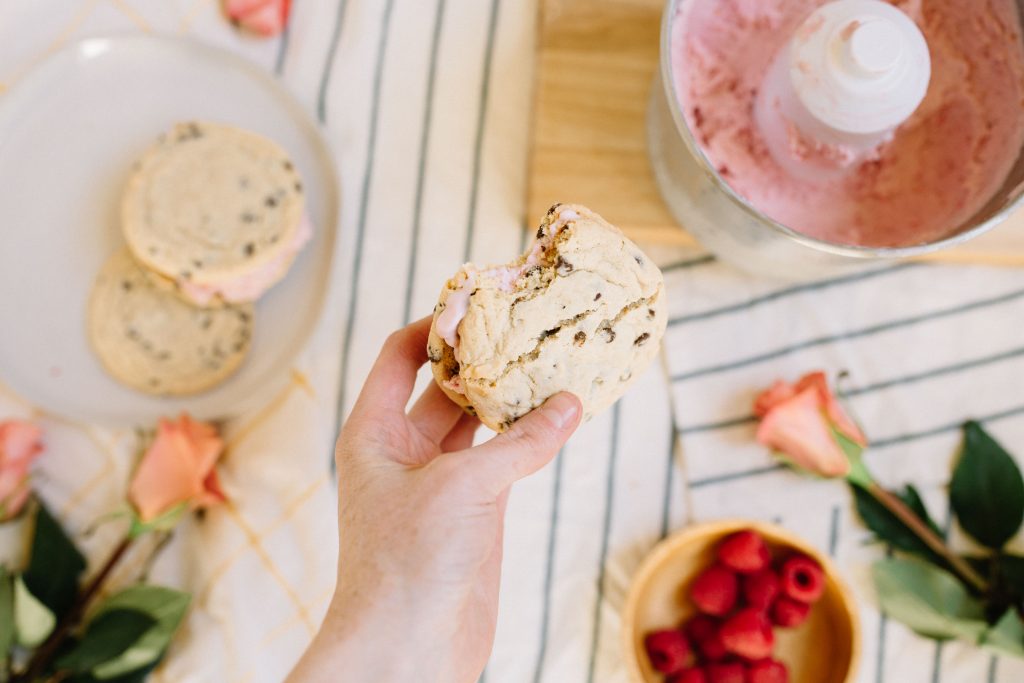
(216, 213)
(583, 311)
(151, 340)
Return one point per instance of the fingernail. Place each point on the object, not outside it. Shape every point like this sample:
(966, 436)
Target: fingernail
(563, 409)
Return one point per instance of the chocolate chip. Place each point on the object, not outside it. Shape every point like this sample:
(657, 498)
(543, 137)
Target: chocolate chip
(642, 339)
(126, 285)
(191, 132)
(248, 217)
(471, 410)
(553, 209)
(563, 267)
(540, 232)
(298, 187)
(238, 347)
(132, 333)
(243, 316)
(650, 313)
(270, 201)
(597, 297)
(610, 333)
(580, 338)
(249, 249)
(639, 260)
(548, 333)
(287, 165)
(197, 263)
(433, 355)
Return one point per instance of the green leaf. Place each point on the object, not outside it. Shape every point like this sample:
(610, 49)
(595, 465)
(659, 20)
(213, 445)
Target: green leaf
(106, 637)
(888, 528)
(55, 565)
(1007, 636)
(929, 600)
(987, 491)
(137, 676)
(165, 606)
(6, 615)
(33, 621)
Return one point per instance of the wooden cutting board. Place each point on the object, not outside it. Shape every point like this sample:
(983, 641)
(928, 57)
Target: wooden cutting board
(596, 65)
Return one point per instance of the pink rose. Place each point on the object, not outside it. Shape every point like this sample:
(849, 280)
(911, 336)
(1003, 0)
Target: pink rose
(799, 421)
(19, 447)
(178, 468)
(262, 17)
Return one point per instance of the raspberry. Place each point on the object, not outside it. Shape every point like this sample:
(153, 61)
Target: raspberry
(688, 676)
(788, 613)
(667, 650)
(731, 672)
(714, 591)
(701, 627)
(748, 634)
(767, 671)
(712, 647)
(761, 589)
(803, 579)
(744, 552)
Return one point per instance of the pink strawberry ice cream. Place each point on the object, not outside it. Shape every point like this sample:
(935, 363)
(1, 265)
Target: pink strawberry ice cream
(501, 277)
(931, 175)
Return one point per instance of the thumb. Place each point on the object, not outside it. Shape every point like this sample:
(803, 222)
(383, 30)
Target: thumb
(526, 447)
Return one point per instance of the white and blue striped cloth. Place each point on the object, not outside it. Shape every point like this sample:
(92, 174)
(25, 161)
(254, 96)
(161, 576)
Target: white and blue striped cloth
(427, 103)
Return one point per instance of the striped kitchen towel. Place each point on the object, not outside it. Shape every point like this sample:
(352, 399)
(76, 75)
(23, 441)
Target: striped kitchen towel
(926, 348)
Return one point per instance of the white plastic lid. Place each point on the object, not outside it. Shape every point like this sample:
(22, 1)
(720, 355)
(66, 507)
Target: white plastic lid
(860, 66)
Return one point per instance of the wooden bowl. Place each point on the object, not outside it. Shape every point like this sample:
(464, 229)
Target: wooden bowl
(824, 649)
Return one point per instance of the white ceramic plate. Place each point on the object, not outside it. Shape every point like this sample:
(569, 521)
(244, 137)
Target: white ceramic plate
(69, 133)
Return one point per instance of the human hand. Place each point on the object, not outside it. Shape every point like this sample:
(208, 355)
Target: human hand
(421, 515)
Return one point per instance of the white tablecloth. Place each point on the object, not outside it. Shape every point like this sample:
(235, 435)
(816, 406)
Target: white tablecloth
(427, 105)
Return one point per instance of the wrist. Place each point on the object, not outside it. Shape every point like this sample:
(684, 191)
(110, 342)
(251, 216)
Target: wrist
(383, 639)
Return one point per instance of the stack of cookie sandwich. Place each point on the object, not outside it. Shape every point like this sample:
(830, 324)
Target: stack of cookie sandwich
(213, 217)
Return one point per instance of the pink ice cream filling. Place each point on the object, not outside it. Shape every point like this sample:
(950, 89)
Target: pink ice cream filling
(505, 278)
(251, 285)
